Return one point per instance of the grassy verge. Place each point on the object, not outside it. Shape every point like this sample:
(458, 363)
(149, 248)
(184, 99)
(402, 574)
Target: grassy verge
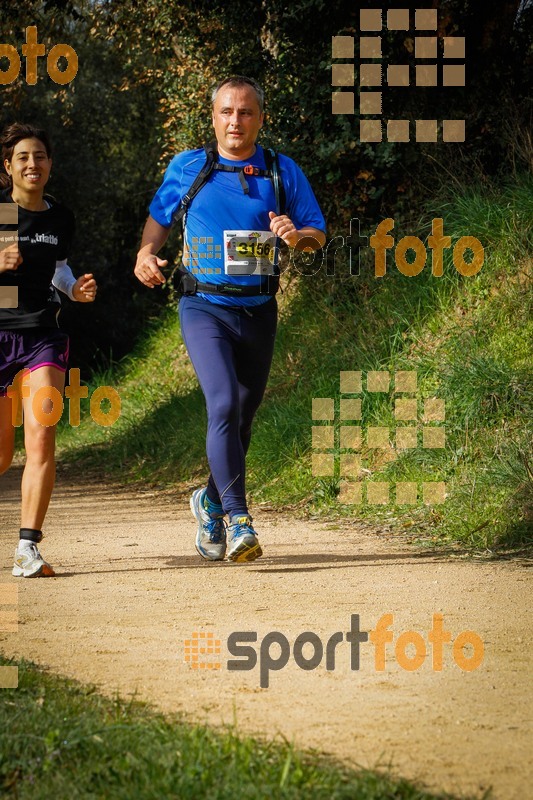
(467, 338)
(63, 740)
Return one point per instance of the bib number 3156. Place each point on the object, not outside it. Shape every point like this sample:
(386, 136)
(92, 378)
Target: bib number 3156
(250, 252)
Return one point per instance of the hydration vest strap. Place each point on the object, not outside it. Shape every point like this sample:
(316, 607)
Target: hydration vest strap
(200, 180)
(248, 169)
(271, 160)
(212, 163)
(243, 182)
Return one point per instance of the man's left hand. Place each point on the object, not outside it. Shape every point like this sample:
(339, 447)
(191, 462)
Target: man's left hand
(84, 290)
(284, 227)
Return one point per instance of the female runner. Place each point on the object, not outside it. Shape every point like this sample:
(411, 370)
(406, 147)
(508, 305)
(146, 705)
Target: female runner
(33, 260)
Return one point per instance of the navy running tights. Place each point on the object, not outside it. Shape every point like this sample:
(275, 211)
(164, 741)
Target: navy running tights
(231, 351)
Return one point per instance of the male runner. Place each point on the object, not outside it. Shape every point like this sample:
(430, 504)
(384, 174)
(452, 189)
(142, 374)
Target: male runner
(228, 312)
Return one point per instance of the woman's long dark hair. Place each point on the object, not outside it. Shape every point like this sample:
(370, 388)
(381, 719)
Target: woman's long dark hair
(10, 137)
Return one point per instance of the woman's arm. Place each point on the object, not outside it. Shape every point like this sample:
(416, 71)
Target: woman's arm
(82, 289)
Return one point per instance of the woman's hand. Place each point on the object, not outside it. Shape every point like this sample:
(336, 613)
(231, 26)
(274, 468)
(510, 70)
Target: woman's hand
(10, 258)
(84, 290)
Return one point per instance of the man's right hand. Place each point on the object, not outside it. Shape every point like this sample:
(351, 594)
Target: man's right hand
(147, 269)
(10, 258)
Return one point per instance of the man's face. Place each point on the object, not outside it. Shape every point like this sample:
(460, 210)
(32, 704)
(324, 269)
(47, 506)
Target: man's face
(237, 121)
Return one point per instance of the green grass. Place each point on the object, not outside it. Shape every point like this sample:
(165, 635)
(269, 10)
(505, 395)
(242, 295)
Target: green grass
(63, 740)
(468, 338)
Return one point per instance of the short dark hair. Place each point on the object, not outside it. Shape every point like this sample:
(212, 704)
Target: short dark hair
(241, 80)
(14, 134)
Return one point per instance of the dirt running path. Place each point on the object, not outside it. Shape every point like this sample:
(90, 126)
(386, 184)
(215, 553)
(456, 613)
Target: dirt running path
(130, 590)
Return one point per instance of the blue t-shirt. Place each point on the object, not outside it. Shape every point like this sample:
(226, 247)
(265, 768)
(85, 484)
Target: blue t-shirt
(221, 205)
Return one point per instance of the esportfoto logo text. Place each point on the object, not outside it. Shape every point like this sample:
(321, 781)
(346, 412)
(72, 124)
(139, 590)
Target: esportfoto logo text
(409, 649)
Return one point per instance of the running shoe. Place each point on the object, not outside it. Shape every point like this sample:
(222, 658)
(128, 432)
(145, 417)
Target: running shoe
(29, 563)
(211, 532)
(243, 542)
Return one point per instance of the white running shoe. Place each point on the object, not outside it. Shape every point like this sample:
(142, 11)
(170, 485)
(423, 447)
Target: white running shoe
(211, 533)
(29, 563)
(242, 539)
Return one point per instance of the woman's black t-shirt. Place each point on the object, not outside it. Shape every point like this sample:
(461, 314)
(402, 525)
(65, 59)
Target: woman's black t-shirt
(44, 237)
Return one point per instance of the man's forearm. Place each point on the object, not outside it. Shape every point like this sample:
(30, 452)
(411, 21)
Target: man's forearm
(153, 238)
(310, 239)
(148, 265)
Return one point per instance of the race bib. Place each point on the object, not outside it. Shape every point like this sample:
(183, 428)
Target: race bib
(250, 253)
